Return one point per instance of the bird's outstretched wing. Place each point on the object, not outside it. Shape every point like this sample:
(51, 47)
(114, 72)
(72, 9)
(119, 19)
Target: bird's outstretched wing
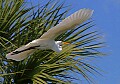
(68, 23)
(22, 52)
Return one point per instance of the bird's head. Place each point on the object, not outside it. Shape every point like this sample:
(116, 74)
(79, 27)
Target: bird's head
(58, 45)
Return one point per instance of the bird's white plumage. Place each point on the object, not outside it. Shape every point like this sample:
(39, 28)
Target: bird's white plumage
(38, 44)
(46, 41)
(68, 23)
(20, 56)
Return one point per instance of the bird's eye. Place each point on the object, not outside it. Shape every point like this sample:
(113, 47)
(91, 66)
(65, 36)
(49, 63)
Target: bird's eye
(60, 44)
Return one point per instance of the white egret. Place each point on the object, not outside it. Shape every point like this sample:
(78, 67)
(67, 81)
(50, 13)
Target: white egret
(46, 41)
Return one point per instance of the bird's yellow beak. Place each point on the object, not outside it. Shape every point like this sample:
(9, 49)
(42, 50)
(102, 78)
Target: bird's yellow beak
(66, 43)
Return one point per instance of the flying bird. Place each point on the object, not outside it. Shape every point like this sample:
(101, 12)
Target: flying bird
(46, 41)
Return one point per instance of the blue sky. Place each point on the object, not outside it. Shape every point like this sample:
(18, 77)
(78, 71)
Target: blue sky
(107, 20)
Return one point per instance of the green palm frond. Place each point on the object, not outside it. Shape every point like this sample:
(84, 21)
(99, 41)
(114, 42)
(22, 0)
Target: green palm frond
(20, 25)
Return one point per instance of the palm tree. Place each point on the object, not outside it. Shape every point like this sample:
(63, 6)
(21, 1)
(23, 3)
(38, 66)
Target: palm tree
(20, 24)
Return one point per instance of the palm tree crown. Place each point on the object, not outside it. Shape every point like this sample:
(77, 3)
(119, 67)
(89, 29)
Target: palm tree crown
(20, 25)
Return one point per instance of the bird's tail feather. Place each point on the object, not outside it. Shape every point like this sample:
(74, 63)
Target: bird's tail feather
(20, 53)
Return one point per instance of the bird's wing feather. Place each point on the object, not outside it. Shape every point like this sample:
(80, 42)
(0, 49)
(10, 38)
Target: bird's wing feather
(68, 23)
(22, 52)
